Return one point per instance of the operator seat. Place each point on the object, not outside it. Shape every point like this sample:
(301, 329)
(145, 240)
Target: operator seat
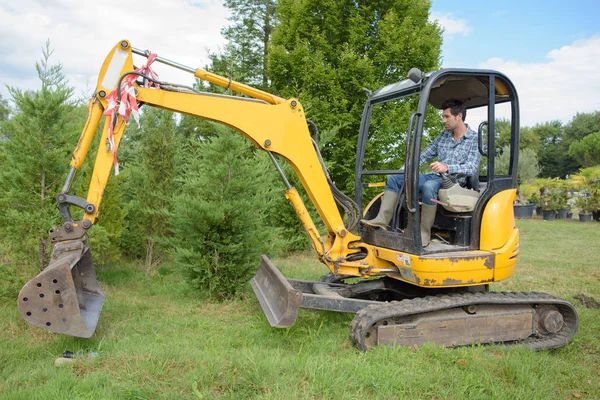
(473, 182)
(457, 224)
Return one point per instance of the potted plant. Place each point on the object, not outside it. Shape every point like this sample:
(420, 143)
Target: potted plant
(527, 170)
(550, 203)
(596, 202)
(542, 186)
(537, 200)
(585, 205)
(523, 205)
(562, 203)
(595, 199)
(588, 180)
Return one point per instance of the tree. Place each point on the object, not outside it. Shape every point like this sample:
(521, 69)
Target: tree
(587, 150)
(529, 139)
(248, 38)
(326, 51)
(503, 134)
(37, 152)
(150, 186)
(581, 125)
(581, 139)
(219, 221)
(553, 156)
(528, 167)
(4, 114)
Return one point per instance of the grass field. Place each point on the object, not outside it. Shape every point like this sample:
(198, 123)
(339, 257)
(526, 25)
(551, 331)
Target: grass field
(158, 339)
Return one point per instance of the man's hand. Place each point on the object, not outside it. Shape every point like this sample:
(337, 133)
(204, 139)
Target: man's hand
(439, 167)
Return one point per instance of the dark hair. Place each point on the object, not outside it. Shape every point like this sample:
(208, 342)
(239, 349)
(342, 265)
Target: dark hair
(456, 107)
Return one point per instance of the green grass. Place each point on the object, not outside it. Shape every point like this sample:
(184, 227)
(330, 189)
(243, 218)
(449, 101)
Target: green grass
(158, 339)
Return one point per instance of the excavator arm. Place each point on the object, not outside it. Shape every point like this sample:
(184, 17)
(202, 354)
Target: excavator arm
(271, 123)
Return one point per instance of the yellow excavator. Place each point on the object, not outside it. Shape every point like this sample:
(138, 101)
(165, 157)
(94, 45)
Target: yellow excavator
(401, 292)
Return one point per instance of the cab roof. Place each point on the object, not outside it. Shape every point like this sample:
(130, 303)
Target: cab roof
(467, 85)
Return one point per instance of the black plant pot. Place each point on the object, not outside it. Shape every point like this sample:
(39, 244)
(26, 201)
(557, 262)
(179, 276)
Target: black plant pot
(585, 217)
(549, 215)
(596, 215)
(538, 211)
(562, 213)
(524, 211)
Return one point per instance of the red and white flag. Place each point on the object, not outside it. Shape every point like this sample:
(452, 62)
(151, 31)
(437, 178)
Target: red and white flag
(127, 106)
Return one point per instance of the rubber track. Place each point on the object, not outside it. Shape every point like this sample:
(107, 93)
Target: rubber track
(370, 315)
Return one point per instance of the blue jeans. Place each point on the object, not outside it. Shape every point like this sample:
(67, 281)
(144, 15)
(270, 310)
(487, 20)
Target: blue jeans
(429, 184)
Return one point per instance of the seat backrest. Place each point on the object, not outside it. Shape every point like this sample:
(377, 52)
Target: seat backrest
(473, 182)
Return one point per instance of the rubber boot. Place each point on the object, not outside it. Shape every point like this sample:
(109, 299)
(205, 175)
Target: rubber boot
(427, 218)
(386, 211)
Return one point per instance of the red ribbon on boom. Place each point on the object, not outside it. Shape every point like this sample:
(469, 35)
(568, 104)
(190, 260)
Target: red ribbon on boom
(128, 105)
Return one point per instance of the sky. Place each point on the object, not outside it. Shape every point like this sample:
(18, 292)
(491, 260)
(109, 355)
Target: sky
(549, 49)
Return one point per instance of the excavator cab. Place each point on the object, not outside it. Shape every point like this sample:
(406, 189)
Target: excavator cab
(457, 225)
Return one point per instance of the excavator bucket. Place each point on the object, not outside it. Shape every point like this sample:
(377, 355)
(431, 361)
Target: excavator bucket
(279, 300)
(65, 297)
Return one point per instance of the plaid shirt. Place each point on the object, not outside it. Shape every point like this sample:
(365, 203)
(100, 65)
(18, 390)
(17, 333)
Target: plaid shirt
(461, 157)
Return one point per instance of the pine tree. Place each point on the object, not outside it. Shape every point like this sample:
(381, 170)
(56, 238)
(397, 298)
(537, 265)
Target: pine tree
(219, 221)
(326, 51)
(37, 149)
(553, 156)
(4, 114)
(150, 186)
(245, 54)
(587, 150)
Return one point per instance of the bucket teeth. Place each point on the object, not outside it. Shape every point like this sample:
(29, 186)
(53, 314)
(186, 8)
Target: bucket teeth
(65, 297)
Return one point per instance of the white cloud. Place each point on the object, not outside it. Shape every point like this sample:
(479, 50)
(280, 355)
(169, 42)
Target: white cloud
(82, 33)
(567, 83)
(451, 25)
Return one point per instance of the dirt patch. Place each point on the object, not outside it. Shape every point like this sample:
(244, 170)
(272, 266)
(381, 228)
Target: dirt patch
(587, 301)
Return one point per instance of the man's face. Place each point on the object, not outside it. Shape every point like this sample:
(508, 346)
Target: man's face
(450, 121)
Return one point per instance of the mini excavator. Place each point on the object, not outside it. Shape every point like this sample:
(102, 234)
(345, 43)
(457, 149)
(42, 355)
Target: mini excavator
(401, 293)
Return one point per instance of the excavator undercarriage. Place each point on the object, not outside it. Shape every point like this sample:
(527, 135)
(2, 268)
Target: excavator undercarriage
(389, 312)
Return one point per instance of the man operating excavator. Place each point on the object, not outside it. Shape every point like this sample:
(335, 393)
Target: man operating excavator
(457, 153)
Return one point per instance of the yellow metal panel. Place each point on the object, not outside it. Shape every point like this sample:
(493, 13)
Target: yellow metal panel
(118, 61)
(498, 221)
(102, 167)
(442, 270)
(506, 257)
(238, 87)
(315, 239)
(95, 110)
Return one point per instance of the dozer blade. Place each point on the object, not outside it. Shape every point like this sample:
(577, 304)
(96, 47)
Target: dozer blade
(65, 297)
(279, 300)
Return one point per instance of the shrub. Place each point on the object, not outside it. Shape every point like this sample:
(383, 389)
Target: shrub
(11, 282)
(220, 215)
